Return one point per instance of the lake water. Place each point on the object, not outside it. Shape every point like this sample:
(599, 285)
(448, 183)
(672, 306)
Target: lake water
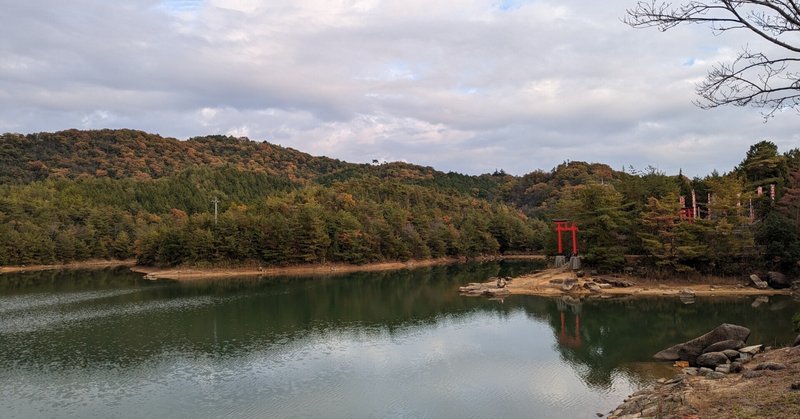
(398, 344)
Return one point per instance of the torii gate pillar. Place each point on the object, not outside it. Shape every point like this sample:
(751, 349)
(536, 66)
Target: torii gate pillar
(564, 226)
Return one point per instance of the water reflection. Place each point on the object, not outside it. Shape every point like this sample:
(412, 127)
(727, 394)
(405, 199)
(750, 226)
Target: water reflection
(603, 338)
(380, 344)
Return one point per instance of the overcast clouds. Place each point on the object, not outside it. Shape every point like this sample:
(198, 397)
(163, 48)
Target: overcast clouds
(468, 85)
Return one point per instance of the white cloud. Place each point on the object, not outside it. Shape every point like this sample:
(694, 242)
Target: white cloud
(469, 85)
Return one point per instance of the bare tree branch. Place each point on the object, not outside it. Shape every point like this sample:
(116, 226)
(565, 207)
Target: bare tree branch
(753, 78)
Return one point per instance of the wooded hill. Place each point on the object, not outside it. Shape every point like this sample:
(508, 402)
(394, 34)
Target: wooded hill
(75, 195)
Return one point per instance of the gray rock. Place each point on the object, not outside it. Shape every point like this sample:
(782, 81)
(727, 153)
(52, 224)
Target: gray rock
(724, 368)
(650, 412)
(751, 350)
(731, 354)
(778, 280)
(715, 375)
(773, 366)
(711, 359)
(569, 284)
(736, 366)
(796, 341)
(757, 282)
(591, 286)
(725, 344)
(744, 358)
(704, 371)
(690, 371)
(689, 351)
(676, 379)
(754, 374)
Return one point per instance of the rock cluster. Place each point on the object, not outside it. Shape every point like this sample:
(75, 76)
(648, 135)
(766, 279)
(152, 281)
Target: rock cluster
(775, 280)
(495, 288)
(724, 336)
(713, 356)
(666, 398)
(573, 285)
(614, 281)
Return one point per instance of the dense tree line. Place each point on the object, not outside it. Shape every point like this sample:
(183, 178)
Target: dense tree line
(75, 195)
(262, 219)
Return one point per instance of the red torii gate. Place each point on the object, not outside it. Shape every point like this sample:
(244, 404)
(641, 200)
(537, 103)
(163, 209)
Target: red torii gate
(564, 226)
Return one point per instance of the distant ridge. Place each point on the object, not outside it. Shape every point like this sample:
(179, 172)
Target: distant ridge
(125, 153)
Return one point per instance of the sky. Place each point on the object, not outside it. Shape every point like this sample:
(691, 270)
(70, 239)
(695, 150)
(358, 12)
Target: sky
(471, 86)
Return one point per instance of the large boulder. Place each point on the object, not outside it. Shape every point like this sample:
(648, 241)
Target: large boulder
(711, 359)
(725, 344)
(689, 351)
(778, 280)
(796, 341)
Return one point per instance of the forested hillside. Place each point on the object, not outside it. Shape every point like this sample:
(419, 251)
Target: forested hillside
(120, 154)
(75, 195)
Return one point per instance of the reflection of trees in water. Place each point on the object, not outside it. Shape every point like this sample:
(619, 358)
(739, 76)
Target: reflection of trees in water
(66, 281)
(602, 338)
(229, 316)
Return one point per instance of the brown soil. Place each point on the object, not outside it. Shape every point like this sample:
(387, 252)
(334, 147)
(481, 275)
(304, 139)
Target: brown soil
(766, 396)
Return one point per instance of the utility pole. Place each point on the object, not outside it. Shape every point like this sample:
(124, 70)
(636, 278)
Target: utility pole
(215, 201)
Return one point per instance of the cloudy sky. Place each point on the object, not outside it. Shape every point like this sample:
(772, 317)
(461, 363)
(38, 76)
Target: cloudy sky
(463, 85)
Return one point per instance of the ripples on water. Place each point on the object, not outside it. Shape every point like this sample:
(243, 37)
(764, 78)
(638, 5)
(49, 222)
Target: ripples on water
(400, 344)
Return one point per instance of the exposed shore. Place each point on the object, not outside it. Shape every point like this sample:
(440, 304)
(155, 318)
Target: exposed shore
(189, 272)
(768, 387)
(556, 282)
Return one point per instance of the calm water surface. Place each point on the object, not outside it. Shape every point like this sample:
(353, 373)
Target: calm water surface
(367, 345)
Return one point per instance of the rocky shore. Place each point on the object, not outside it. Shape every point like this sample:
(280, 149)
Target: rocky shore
(582, 284)
(721, 378)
